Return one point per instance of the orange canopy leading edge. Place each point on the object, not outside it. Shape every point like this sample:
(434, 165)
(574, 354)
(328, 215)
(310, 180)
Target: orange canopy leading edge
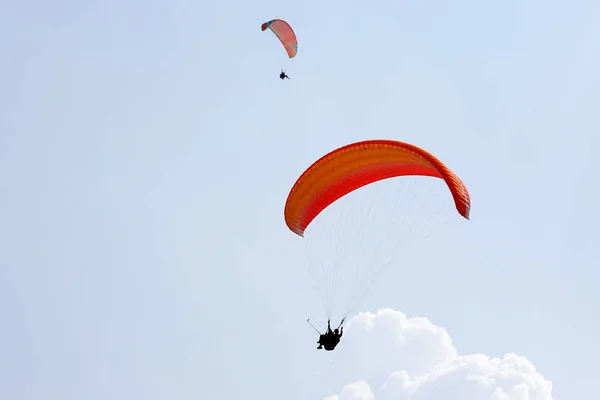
(358, 164)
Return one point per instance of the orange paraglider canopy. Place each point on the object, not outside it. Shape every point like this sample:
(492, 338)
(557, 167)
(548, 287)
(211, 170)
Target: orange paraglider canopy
(285, 33)
(358, 164)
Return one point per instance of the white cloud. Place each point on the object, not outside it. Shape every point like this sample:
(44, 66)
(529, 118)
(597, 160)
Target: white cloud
(387, 356)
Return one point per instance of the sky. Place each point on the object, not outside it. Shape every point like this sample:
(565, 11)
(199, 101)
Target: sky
(147, 149)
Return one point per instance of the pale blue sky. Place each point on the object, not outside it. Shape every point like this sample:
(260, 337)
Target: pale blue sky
(147, 148)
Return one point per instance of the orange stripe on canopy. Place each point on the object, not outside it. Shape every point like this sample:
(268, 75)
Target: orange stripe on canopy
(358, 164)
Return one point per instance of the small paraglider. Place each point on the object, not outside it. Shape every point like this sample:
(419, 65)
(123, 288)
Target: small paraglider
(286, 36)
(331, 338)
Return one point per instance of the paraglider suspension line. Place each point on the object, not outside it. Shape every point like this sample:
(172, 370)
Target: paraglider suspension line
(316, 330)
